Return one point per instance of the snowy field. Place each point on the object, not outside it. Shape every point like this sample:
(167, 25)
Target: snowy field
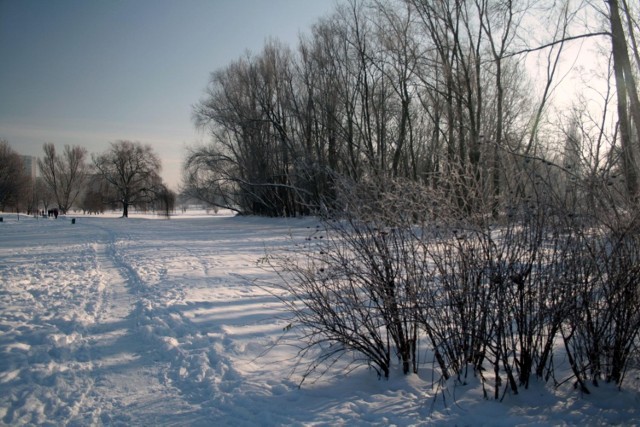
(145, 321)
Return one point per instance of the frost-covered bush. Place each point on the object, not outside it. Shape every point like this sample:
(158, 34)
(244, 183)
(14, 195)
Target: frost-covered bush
(356, 283)
(401, 273)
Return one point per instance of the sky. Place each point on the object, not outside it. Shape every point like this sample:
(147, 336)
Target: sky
(91, 72)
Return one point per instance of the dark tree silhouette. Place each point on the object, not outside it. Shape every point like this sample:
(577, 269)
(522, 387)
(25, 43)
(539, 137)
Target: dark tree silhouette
(13, 180)
(131, 168)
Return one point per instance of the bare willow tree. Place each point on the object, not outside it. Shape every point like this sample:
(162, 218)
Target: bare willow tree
(131, 169)
(250, 161)
(65, 174)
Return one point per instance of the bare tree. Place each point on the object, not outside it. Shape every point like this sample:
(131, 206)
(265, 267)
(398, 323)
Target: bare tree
(64, 174)
(131, 168)
(13, 180)
(44, 195)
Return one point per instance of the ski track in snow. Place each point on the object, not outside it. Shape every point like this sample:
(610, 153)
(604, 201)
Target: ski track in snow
(149, 322)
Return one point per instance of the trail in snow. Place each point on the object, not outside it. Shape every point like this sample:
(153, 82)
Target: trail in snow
(125, 362)
(78, 354)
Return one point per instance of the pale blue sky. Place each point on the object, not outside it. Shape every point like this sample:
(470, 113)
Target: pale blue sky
(89, 72)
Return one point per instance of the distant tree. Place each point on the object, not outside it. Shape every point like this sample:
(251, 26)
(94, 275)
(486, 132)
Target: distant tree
(131, 168)
(64, 174)
(13, 180)
(97, 191)
(92, 202)
(44, 195)
(165, 199)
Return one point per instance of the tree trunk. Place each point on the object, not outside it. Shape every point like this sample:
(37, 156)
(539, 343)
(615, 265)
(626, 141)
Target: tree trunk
(626, 88)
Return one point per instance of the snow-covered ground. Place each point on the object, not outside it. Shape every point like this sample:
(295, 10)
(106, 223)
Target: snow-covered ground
(146, 321)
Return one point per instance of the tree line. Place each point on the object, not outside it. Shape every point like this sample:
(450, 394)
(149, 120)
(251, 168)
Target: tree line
(125, 175)
(437, 92)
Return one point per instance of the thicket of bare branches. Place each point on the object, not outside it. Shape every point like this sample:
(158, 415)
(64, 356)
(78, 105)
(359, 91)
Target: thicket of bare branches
(400, 271)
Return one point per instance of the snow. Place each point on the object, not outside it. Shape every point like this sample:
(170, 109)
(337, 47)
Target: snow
(147, 321)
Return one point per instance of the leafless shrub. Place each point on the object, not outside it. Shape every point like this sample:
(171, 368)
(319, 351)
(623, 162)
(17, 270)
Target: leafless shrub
(400, 264)
(603, 325)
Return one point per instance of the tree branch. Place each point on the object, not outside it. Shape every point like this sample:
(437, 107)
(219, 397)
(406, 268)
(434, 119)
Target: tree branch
(555, 42)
